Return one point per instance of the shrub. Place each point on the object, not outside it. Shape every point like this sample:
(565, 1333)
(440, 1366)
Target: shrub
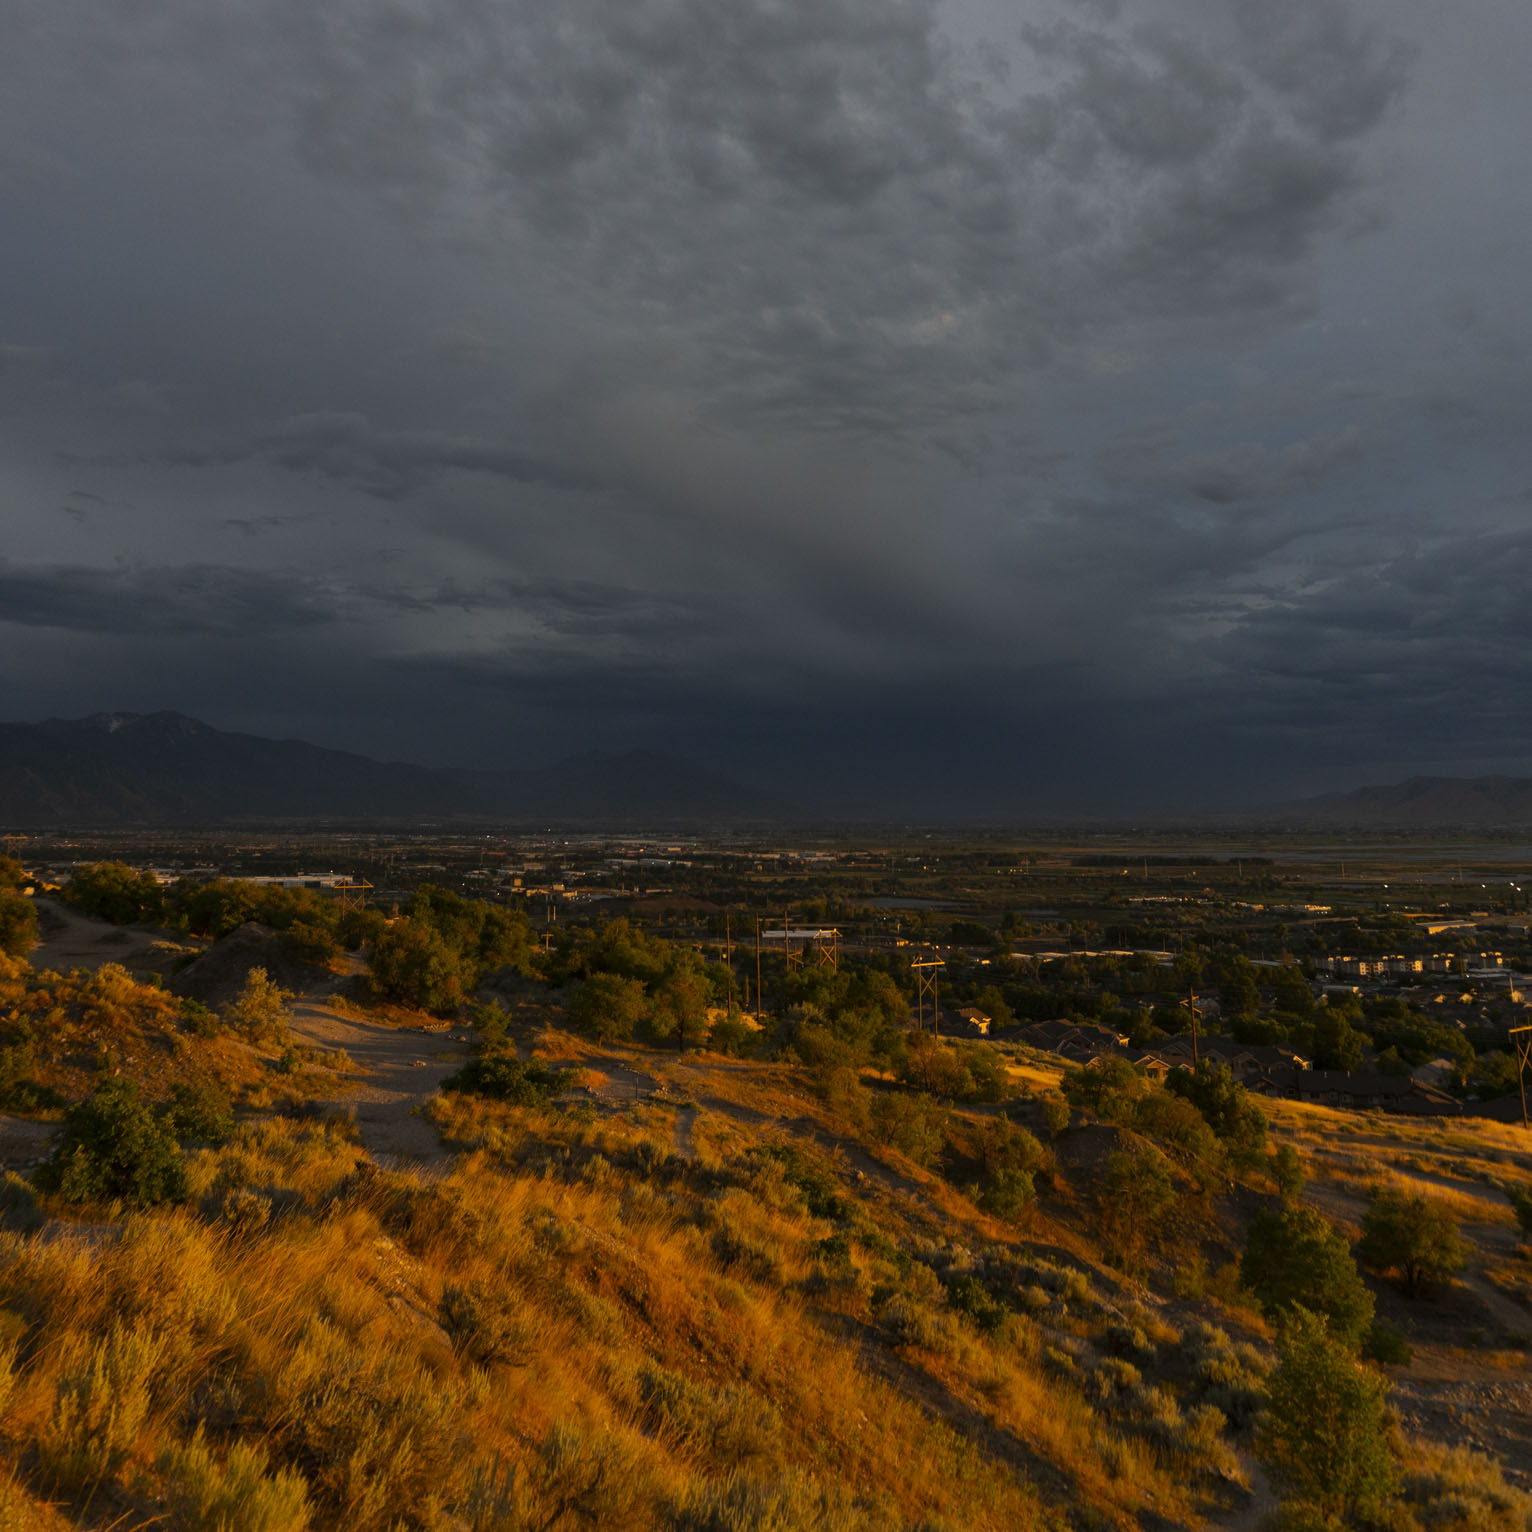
(1008, 1193)
(504, 1077)
(1055, 1115)
(415, 965)
(101, 1404)
(786, 1500)
(1413, 1236)
(113, 1146)
(237, 1495)
(970, 1297)
(1521, 1203)
(18, 923)
(200, 1114)
(258, 1009)
(1287, 1172)
(913, 1124)
(18, 1204)
(1324, 1433)
(200, 1021)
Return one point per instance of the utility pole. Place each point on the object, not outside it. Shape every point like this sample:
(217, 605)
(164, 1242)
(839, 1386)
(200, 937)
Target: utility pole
(1521, 1041)
(758, 964)
(1196, 1059)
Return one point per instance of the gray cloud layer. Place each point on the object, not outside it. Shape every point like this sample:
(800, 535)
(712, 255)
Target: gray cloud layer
(1129, 388)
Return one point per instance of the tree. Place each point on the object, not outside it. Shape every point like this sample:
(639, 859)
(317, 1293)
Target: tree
(609, 1006)
(1337, 1044)
(257, 1010)
(1296, 1258)
(1136, 1191)
(1287, 1172)
(114, 1146)
(1413, 1236)
(114, 891)
(18, 923)
(1324, 1435)
(681, 1007)
(414, 964)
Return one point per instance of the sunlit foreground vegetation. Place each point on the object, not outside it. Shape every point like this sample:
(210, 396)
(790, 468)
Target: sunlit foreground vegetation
(858, 1280)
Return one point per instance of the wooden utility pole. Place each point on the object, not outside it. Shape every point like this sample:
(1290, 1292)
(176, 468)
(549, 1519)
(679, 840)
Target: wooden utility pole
(758, 964)
(1521, 1041)
(1193, 1007)
(926, 976)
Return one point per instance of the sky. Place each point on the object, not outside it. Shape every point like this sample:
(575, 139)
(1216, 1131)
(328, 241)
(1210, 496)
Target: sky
(987, 408)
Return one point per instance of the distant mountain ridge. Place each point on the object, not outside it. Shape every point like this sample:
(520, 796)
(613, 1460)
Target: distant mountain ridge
(166, 769)
(1498, 801)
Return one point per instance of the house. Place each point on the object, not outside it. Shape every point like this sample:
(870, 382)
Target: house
(971, 1022)
(1073, 1040)
(1360, 1089)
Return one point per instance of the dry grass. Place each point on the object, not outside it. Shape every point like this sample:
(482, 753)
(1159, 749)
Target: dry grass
(574, 1317)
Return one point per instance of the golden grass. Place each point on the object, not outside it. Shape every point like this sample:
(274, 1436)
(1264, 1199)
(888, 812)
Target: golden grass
(573, 1316)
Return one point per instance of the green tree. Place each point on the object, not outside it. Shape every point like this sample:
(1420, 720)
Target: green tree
(114, 891)
(1337, 1044)
(1296, 1258)
(609, 1006)
(1227, 1107)
(114, 1146)
(1413, 1236)
(1287, 1173)
(1324, 1433)
(413, 964)
(12, 873)
(680, 1007)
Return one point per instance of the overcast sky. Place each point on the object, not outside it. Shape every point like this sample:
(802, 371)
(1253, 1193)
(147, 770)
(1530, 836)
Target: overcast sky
(991, 406)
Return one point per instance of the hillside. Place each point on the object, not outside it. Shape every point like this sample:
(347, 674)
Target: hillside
(1421, 803)
(122, 769)
(600, 1284)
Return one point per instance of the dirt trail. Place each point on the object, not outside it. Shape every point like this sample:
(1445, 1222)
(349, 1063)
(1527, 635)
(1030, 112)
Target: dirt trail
(685, 1119)
(70, 940)
(401, 1068)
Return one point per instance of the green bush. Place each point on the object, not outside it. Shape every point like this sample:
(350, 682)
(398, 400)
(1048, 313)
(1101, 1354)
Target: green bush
(200, 1114)
(971, 1298)
(1008, 1193)
(504, 1077)
(113, 1146)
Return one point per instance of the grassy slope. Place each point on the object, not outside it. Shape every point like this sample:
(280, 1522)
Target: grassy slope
(623, 1313)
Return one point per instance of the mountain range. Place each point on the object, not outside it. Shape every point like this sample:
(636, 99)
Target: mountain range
(163, 768)
(1421, 802)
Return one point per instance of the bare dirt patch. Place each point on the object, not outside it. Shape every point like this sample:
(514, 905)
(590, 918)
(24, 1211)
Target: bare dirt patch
(398, 1070)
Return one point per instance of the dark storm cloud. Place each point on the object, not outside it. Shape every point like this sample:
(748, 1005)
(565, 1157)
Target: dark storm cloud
(1091, 378)
(186, 599)
(390, 465)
